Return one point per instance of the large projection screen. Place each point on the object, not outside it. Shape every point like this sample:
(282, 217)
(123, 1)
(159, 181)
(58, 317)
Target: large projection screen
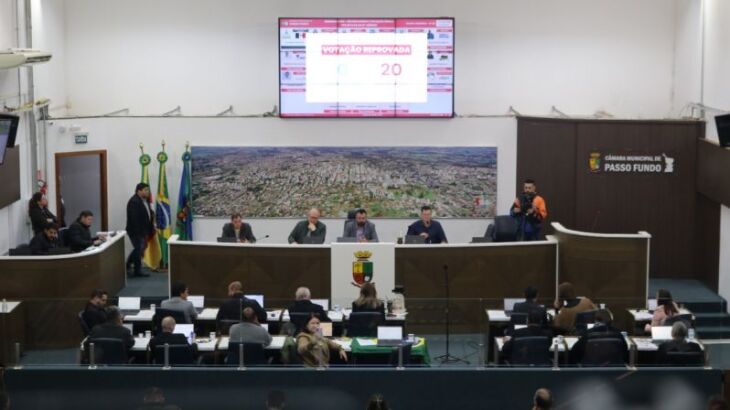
(366, 67)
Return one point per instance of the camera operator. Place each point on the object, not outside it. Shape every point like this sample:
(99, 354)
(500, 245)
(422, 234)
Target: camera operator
(530, 210)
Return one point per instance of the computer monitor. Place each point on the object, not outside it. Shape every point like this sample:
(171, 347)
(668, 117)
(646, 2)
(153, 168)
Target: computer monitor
(325, 303)
(265, 326)
(723, 129)
(129, 326)
(198, 301)
(651, 304)
(326, 328)
(661, 333)
(390, 333)
(8, 131)
(258, 298)
(415, 240)
(509, 303)
(129, 303)
(227, 240)
(346, 239)
(185, 329)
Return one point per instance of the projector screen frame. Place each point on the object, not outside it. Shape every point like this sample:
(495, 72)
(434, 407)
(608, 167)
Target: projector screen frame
(418, 117)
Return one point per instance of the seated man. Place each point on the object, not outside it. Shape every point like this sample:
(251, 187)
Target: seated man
(167, 335)
(310, 230)
(535, 327)
(46, 240)
(430, 230)
(567, 307)
(179, 302)
(601, 329)
(530, 304)
(94, 313)
(79, 235)
(113, 328)
(232, 308)
(303, 304)
(239, 230)
(360, 228)
(678, 343)
(249, 331)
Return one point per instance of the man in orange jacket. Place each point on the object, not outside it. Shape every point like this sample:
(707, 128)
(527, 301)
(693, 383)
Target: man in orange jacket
(530, 210)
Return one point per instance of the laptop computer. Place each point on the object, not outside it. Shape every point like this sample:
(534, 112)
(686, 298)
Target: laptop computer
(480, 239)
(415, 240)
(509, 304)
(187, 330)
(198, 302)
(129, 305)
(129, 326)
(326, 329)
(258, 298)
(325, 303)
(227, 240)
(347, 239)
(265, 326)
(661, 333)
(651, 305)
(312, 240)
(390, 336)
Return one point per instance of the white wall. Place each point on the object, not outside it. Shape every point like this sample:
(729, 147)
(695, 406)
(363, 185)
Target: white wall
(687, 83)
(121, 138)
(724, 253)
(581, 56)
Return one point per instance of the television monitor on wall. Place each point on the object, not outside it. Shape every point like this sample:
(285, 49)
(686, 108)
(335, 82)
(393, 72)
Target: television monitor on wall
(366, 67)
(8, 130)
(723, 129)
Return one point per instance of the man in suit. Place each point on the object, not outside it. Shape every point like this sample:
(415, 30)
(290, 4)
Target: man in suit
(46, 240)
(360, 228)
(94, 313)
(530, 304)
(311, 229)
(534, 328)
(426, 227)
(303, 304)
(678, 343)
(250, 331)
(179, 302)
(140, 217)
(232, 308)
(239, 230)
(79, 235)
(167, 335)
(113, 328)
(601, 329)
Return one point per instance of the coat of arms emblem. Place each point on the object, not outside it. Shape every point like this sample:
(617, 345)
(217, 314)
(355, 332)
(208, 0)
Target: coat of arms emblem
(362, 267)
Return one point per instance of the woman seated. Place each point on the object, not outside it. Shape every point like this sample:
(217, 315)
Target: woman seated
(567, 307)
(665, 308)
(368, 301)
(315, 349)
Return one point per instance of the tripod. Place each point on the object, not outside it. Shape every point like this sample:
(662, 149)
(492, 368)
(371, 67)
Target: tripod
(448, 358)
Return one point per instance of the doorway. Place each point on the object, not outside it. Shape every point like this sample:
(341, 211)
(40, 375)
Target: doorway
(81, 185)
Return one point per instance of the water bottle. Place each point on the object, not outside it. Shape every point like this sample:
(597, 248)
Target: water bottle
(691, 333)
(5, 305)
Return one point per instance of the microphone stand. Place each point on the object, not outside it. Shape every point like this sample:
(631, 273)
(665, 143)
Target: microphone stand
(448, 358)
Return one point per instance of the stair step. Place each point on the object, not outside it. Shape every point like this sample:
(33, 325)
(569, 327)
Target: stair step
(713, 332)
(712, 319)
(705, 306)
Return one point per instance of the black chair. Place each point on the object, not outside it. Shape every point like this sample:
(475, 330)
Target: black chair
(163, 313)
(504, 229)
(582, 320)
(350, 216)
(684, 359)
(224, 325)
(253, 354)
(604, 352)
(178, 355)
(107, 351)
(364, 324)
(686, 318)
(84, 327)
(518, 318)
(63, 236)
(393, 360)
(22, 250)
(530, 351)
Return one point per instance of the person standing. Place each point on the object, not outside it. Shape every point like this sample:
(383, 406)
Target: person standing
(140, 217)
(530, 210)
(426, 227)
(39, 213)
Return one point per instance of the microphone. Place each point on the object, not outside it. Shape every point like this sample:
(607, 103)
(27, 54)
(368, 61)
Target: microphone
(265, 237)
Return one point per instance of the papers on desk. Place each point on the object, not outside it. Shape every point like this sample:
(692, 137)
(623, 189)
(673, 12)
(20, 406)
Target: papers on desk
(367, 342)
(345, 344)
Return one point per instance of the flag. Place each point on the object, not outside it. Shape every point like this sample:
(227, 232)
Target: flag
(184, 224)
(151, 255)
(162, 207)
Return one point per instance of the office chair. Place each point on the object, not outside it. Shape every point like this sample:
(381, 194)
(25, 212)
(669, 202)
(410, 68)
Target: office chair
(108, 351)
(393, 359)
(684, 359)
(604, 352)
(350, 216)
(84, 327)
(178, 355)
(163, 313)
(253, 354)
(63, 236)
(224, 325)
(504, 229)
(530, 351)
(582, 320)
(364, 324)
(686, 318)
(22, 250)
(518, 318)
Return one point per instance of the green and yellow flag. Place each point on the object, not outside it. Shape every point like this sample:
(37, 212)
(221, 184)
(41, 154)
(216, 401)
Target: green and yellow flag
(162, 207)
(152, 255)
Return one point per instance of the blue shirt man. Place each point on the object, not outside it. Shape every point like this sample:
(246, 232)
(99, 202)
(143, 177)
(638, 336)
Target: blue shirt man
(426, 227)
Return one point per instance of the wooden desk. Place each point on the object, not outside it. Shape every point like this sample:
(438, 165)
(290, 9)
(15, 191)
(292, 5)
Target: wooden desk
(273, 270)
(55, 288)
(480, 277)
(12, 330)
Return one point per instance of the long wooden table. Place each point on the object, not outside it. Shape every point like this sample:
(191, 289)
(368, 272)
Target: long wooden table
(55, 288)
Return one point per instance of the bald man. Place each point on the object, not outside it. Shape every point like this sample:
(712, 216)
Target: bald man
(250, 331)
(166, 336)
(232, 308)
(309, 231)
(543, 400)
